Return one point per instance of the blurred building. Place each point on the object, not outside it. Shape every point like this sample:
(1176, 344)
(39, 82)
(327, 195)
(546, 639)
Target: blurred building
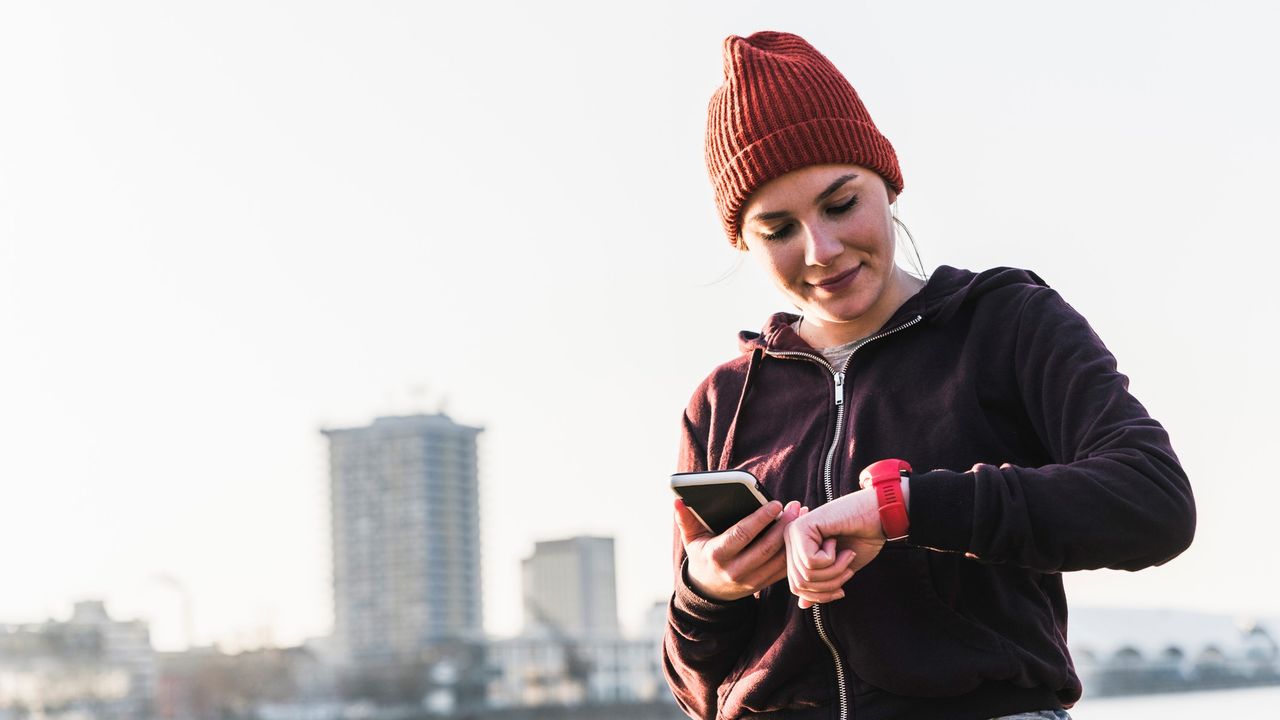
(90, 664)
(406, 537)
(571, 652)
(570, 588)
(536, 671)
(1123, 651)
(208, 684)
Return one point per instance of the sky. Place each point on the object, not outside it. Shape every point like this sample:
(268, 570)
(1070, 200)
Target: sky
(226, 226)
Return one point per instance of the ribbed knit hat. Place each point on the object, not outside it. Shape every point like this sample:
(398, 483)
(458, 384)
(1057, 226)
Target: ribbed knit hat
(784, 106)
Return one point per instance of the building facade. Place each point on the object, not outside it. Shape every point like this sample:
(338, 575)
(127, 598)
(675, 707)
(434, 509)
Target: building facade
(570, 589)
(1129, 651)
(538, 671)
(405, 511)
(90, 666)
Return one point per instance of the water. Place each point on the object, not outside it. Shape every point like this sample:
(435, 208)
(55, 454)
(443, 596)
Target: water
(1261, 703)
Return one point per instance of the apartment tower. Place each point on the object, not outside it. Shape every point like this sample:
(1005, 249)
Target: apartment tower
(405, 511)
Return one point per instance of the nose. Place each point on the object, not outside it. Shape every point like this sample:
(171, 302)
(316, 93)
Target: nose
(821, 248)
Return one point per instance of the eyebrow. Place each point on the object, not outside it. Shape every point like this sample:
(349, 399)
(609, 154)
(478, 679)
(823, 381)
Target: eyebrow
(834, 186)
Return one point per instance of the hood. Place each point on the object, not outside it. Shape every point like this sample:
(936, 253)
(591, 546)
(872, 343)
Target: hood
(946, 291)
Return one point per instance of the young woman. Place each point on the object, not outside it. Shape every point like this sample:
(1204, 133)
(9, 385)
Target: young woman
(1003, 445)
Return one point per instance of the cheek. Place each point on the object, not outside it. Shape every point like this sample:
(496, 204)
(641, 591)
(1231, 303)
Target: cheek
(778, 263)
(880, 232)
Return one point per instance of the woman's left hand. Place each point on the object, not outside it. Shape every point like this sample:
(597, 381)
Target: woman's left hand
(826, 546)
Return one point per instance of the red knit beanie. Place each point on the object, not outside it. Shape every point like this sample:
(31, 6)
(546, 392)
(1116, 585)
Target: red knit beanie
(784, 106)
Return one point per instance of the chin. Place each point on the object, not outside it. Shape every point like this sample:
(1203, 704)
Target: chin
(848, 313)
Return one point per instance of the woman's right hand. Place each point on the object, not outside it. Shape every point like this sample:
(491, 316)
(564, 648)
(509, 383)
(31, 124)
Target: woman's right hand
(730, 566)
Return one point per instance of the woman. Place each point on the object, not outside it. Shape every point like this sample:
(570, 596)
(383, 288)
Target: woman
(932, 593)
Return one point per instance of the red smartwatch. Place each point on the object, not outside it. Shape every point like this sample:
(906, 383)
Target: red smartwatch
(886, 477)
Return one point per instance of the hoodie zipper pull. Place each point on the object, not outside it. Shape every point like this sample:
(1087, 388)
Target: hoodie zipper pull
(839, 389)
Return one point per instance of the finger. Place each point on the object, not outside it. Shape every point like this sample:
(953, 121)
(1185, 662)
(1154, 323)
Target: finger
(810, 599)
(771, 542)
(813, 552)
(807, 597)
(1005, 466)
(823, 586)
(691, 528)
(843, 559)
(777, 570)
(732, 541)
(772, 571)
(794, 581)
(794, 539)
(828, 549)
(758, 569)
(817, 598)
(799, 548)
(818, 557)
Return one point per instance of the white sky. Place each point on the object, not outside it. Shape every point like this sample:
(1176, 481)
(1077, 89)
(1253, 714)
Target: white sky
(225, 226)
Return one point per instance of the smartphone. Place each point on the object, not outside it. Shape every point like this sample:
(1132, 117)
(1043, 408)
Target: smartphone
(721, 498)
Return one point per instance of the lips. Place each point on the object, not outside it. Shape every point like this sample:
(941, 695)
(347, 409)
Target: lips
(836, 281)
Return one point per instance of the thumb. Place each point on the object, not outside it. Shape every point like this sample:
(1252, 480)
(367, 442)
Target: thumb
(691, 528)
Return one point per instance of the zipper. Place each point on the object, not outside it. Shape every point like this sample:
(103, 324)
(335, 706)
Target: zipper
(842, 689)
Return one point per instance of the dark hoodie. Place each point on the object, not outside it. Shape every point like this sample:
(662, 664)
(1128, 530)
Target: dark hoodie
(966, 618)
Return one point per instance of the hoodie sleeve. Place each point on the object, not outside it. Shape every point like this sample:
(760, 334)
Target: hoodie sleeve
(1115, 495)
(704, 638)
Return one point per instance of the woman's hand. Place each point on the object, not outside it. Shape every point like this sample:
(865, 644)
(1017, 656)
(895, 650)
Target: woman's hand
(826, 546)
(730, 566)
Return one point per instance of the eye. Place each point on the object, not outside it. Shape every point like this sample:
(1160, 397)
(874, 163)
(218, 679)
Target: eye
(781, 233)
(844, 207)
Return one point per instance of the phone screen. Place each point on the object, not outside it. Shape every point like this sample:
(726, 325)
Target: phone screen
(720, 505)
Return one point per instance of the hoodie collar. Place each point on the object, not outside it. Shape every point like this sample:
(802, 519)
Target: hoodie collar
(947, 290)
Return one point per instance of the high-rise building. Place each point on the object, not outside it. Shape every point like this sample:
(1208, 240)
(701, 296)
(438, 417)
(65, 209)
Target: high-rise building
(570, 589)
(404, 493)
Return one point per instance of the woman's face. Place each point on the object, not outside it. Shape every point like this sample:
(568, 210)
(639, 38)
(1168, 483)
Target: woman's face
(824, 235)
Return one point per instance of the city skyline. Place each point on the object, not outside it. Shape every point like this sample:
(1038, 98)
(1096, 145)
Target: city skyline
(99, 665)
(223, 229)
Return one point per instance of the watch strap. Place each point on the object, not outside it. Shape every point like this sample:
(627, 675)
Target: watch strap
(885, 477)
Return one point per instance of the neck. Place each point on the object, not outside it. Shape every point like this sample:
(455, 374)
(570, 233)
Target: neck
(827, 333)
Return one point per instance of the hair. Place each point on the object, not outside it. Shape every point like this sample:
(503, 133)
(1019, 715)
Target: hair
(917, 264)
